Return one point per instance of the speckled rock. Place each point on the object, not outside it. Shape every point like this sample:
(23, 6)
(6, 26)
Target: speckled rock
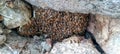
(84, 47)
(15, 13)
(103, 7)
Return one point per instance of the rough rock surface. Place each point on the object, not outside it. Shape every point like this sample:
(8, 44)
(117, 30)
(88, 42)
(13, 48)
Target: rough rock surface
(2, 36)
(113, 42)
(1, 29)
(104, 7)
(103, 26)
(99, 26)
(107, 32)
(112, 46)
(84, 47)
(2, 39)
(15, 13)
(16, 44)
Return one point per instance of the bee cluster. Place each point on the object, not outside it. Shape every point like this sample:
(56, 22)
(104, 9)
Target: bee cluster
(56, 24)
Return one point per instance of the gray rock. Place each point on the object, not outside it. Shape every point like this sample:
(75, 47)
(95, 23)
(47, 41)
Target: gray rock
(84, 47)
(34, 49)
(14, 13)
(4, 51)
(1, 30)
(104, 7)
(6, 31)
(2, 39)
(112, 45)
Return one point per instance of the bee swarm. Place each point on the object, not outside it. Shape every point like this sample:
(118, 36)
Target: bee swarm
(56, 24)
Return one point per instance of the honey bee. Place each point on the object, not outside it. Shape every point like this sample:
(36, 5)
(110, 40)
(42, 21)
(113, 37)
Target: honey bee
(58, 25)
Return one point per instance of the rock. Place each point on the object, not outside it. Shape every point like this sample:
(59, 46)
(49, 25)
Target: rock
(1, 30)
(6, 31)
(35, 48)
(103, 26)
(103, 7)
(4, 51)
(1, 18)
(113, 43)
(46, 46)
(84, 47)
(2, 39)
(99, 26)
(106, 31)
(15, 13)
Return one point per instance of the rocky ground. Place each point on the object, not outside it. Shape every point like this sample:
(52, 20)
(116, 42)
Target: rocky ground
(16, 44)
(104, 27)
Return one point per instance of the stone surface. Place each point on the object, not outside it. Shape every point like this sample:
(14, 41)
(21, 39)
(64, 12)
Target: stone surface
(84, 47)
(2, 39)
(112, 45)
(15, 13)
(107, 32)
(103, 7)
(103, 26)
(1, 29)
(99, 26)
(26, 45)
(113, 42)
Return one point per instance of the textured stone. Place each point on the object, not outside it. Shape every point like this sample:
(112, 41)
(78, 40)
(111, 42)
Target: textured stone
(1, 30)
(113, 43)
(15, 13)
(104, 7)
(103, 26)
(84, 47)
(99, 26)
(106, 31)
